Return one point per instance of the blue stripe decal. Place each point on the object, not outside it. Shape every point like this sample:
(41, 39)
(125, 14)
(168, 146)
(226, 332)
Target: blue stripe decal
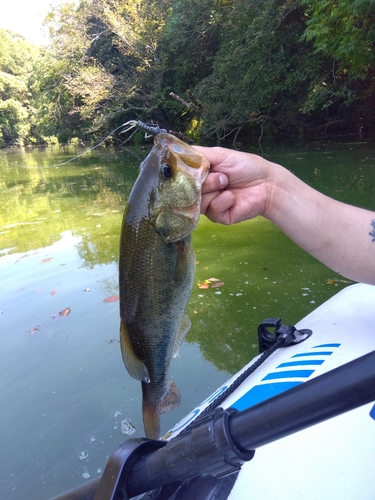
(260, 393)
(372, 412)
(302, 362)
(289, 374)
(320, 353)
(326, 345)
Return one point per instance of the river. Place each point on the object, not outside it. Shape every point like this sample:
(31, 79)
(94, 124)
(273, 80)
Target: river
(66, 399)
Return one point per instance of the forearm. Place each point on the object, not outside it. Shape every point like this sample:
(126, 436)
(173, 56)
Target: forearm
(335, 233)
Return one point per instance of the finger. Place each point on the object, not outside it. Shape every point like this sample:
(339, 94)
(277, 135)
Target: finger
(214, 182)
(215, 155)
(206, 200)
(219, 207)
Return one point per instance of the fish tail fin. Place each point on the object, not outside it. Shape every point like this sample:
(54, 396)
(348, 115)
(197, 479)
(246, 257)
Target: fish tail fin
(151, 412)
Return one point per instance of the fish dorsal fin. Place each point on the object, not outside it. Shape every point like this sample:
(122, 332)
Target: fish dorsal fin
(171, 400)
(135, 366)
(184, 328)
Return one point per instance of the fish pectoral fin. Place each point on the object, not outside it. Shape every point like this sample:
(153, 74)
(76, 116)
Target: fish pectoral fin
(184, 328)
(171, 400)
(135, 366)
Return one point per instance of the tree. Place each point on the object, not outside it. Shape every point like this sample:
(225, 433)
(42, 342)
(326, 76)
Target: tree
(293, 66)
(260, 72)
(16, 114)
(345, 31)
(103, 65)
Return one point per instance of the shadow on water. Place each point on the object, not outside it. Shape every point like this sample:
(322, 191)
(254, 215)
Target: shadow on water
(67, 400)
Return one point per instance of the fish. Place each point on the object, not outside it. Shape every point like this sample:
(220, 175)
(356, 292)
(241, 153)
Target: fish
(156, 270)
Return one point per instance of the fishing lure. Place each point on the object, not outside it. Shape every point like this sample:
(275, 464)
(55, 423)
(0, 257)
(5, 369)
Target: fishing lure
(151, 130)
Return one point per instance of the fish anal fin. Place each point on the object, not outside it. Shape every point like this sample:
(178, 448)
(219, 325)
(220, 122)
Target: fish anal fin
(184, 328)
(171, 400)
(135, 366)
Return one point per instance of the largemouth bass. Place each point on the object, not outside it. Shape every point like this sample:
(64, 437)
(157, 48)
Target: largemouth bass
(157, 265)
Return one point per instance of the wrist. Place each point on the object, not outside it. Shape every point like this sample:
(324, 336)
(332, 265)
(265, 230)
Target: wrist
(279, 190)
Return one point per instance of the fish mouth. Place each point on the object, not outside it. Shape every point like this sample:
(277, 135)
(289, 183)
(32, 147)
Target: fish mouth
(191, 212)
(183, 158)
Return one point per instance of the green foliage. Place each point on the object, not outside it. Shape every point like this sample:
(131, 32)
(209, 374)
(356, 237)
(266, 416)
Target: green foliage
(16, 114)
(345, 31)
(259, 69)
(102, 67)
(14, 120)
(16, 54)
(286, 65)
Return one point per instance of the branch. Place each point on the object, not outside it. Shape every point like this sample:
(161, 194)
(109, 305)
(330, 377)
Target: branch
(194, 100)
(185, 103)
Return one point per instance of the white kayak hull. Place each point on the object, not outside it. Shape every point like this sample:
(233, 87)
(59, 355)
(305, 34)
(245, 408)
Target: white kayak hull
(336, 458)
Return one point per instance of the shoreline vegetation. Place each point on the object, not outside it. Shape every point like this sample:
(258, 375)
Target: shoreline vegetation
(214, 70)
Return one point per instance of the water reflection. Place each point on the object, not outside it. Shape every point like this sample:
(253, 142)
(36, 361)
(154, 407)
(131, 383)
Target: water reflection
(40, 201)
(65, 390)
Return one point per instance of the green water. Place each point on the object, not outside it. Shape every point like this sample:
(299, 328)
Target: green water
(64, 389)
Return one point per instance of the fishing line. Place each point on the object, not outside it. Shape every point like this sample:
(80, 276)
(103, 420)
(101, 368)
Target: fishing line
(150, 130)
(131, 124)
(90, 149)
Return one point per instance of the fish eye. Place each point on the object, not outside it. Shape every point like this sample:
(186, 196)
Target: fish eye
(166, 170)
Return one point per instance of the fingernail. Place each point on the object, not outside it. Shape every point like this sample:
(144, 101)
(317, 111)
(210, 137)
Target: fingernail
(223, 179)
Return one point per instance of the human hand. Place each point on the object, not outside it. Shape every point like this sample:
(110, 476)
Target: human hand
(237, 187)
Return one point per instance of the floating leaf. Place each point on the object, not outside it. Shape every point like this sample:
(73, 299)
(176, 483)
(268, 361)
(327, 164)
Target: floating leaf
(213, 279)
(65, 312)
(332, 281)
(35, 329)
(47, 259)
(265, 268)
(54, 292)
(203, 285)
(218, 284)
(113, 298)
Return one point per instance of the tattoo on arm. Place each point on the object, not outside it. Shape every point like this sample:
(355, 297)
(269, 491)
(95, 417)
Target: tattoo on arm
(372, 233)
